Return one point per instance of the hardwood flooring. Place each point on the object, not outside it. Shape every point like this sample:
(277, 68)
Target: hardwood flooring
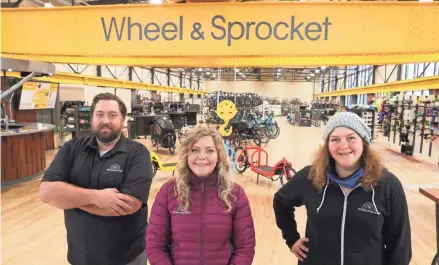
(34, 234)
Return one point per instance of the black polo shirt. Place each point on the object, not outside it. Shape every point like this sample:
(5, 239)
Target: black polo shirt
(99, 240)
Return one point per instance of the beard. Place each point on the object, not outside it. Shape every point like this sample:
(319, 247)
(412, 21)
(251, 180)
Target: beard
(105, 137)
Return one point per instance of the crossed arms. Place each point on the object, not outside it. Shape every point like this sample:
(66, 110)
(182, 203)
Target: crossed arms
(56, 191)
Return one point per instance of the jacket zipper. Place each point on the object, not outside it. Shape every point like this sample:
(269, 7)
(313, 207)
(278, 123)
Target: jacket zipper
(343, 221)
(202, 224)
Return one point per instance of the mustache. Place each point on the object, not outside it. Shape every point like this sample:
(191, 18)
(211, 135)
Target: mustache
(105, 126)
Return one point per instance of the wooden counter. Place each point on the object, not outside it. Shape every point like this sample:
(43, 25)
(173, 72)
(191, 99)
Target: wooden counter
(23, 152)
(433, 194)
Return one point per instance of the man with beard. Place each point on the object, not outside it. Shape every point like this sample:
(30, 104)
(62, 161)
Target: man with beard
(102, 183)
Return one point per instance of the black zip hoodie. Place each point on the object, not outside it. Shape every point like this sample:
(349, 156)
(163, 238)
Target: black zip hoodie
(364, 227)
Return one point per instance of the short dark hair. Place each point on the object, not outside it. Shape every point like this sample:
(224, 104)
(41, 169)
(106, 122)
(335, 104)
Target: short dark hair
(108, 96)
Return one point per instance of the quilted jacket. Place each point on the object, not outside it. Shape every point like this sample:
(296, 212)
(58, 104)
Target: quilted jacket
(203, 235)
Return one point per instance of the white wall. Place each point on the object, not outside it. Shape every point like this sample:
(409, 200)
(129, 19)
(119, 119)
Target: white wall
(383, 72)
(301, 90)
(141, 75)
(120, 72)
(71, 92)
(81, 68)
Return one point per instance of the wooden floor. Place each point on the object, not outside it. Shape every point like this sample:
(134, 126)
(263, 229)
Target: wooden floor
(34, 233)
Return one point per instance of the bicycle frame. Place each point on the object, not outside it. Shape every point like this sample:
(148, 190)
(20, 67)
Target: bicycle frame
(231, 153)
(157, 163)
(253, 165)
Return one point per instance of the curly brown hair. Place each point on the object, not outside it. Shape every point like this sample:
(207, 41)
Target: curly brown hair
(225, 179)
(373, 168)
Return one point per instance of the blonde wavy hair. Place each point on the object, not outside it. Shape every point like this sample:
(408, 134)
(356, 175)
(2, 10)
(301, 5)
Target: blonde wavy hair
(373, 168)
(225, 181)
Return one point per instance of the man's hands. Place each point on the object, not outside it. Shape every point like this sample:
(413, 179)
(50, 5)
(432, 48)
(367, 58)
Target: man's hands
(299, 248)
(109, 202)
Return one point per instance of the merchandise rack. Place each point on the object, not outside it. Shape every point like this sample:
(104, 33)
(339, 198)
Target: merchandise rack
(316, 117)
(370, 117)
(303, 117)
(408, 120)
(83, 121)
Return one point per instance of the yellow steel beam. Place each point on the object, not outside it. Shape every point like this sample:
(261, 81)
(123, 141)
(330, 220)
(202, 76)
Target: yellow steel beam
(256, 34)
(78, 79)
(262, 62)
(423, 83)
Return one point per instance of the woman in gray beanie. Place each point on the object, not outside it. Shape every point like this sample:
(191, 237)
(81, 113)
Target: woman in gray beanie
(357, 210)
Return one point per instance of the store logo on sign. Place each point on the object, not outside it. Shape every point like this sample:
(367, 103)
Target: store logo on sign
(291, 28)
(115, 168)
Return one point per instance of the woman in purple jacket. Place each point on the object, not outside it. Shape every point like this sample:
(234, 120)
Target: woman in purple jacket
(202, 216)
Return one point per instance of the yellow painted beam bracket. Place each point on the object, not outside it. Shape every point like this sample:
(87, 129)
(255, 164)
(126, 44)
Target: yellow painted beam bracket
(78, 79)
(256, 34)
(416, 84)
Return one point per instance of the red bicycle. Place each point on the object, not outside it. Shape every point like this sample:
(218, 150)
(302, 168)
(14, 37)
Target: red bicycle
(281, 168)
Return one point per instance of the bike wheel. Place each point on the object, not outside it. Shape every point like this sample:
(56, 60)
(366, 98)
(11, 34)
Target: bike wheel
(236, 140)
(170, 143)
(181, 135)
(241, 163)
(154, 169)
(435, 260)
(154, 141)
(257, 140)
(263, 135)
(277, 130)
(270, 131)
(290, 172)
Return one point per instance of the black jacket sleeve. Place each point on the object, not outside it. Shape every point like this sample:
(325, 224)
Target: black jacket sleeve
(397, 237)
(284, 202)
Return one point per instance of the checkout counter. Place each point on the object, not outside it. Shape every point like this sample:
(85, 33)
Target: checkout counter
(23, 150)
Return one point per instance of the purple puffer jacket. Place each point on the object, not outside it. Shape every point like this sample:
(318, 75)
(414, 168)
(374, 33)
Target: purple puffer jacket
(204, 234)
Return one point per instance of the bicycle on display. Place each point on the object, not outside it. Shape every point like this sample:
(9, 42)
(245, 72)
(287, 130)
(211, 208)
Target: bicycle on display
(281, 169)
(184, 130)
(231, 154)
(157, 164)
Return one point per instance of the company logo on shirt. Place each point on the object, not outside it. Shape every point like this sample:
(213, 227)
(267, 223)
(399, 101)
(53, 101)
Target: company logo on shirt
(368, 207)
(180, 210)
(115, 168)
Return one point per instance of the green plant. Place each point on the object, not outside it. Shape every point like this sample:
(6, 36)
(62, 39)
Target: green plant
(60, 131)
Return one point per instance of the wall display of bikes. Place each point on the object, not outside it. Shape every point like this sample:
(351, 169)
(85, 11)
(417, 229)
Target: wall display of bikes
(244, 102)
(303, 116)
(410, 121)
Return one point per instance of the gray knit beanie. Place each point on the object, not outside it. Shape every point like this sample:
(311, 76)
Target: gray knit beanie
(349, 120)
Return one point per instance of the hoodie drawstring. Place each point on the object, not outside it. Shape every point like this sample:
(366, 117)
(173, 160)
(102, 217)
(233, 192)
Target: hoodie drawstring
(323, 198)
(324, 193)
(373, 200)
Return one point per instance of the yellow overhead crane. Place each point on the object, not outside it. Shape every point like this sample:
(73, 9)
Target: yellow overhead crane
(253, 34)
(423, 83)
(79, 79)
(226, 35)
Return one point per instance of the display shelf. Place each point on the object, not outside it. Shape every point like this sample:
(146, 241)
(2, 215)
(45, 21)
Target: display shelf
(83, 122)
(370, 117)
